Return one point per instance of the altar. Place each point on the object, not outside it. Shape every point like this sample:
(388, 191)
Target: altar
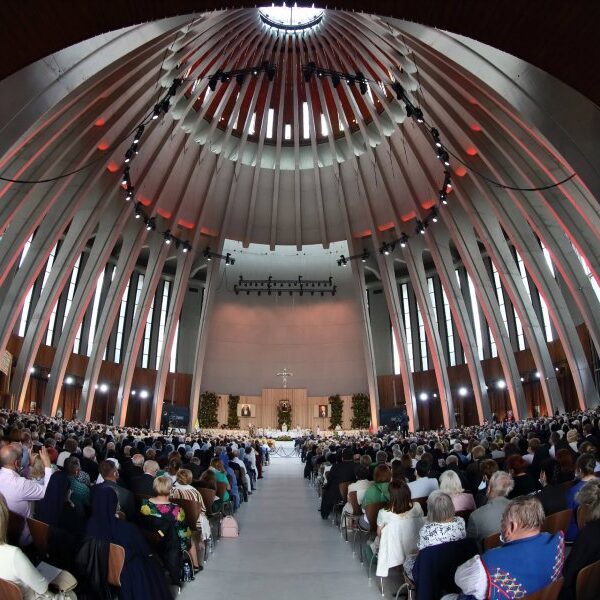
(306, 412)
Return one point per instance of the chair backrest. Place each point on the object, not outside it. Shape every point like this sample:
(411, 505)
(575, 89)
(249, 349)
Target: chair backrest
(588, 582)
(221, 489)
(208, 496)
(192, 510)
(10, 590)
(353, 499)
(39, 533)
(371, 510)
(550, 592)
(116, 560)
(492, 541)
(582, 514)
(558, 521)
(16, 523)
(465, 514)
(423, 502)
(344, 490)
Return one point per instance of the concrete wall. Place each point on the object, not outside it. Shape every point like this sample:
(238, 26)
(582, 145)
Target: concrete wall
(252, 338)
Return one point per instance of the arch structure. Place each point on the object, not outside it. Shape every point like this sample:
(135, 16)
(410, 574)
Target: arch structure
(300, 142)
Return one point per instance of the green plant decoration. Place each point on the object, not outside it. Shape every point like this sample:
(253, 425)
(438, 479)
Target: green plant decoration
(337, 411)
(284, 414)
(233, 421)
(361, 411)
(208, 409)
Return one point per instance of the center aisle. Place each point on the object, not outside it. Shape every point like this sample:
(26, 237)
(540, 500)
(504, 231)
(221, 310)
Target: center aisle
(285, 550)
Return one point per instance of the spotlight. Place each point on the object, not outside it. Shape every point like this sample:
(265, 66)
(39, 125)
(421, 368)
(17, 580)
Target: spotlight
(409, 110)
(173, 89)
(225, 77)
(103, 387)
(335, 79)
(362, 83)
(418, 114)
(443, 197)
(403, 240)
(463, 391)
(138, 210)
(213, 80)
(206, 254)
(185, 247)
(538, 375)
(69, 380)
(168, 237)
(420, 228)
(398, 89)
(133, 392)
(229, 260)
(144, 394)
(365, 256)
(129, 194)
(138, 134)
(308, 70)
(239, 79)
(125, 180)
(522, 379)
(501, 384)
(385, 249)
(32, 370)
(270, 70)
(150, 224)
(433, 215)
(129, 154)
(423, 396)
(435, 134)
(342, 261)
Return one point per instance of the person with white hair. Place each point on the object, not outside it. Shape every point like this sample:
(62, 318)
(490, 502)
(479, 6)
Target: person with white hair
(486, 520)
(450, 484)
(527, 561)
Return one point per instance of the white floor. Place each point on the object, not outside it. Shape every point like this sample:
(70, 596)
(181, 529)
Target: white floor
(285, 550)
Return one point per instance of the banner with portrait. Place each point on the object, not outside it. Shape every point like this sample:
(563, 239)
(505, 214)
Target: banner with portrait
(245, 410)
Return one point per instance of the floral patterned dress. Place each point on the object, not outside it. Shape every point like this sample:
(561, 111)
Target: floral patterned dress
(172, 512)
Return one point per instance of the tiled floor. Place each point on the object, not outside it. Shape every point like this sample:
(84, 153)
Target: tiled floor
(285, 550)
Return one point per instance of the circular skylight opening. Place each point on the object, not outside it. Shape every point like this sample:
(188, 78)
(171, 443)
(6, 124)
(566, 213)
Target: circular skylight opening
(291, 18)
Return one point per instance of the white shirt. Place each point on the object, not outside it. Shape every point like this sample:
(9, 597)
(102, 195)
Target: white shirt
(16, 567)
(60, 461)
(360, 487)
(422, 487)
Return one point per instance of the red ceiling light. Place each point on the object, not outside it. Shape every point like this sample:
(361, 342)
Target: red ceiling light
(475, 127)
(471, 151)
(460, 171)
(99, 122)
(103, 145)
(112, 166)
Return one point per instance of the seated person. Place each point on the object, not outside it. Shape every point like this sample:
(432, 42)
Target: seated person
(216, 466)
(528, 560)
(80, 493)
(208, 480)
(110, 474)
(141, 577)
(450, 484)
(552, 495)
(586, 548)
(184, 490)
(360, 486)
(584, 472)
(400, 506)
(485, 521)
(142, 484)
(423, 485)
(524, 482)
(17, 568)
(378, 491)
(441, 526)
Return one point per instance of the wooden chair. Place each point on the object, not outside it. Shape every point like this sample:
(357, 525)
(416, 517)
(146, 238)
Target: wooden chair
(208, 496)
(353, 518)
(588, 582)
(492, 541)
(116, 560)
(423, 502)
(16, 524)
(465, 514)
(10, 590)
(582, 516)
(550, 592)
(558, 521)
(39, 532)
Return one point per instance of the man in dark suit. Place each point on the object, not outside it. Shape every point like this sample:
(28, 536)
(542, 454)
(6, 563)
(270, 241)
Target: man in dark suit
(340, 472)
(131, 469)
(110, 474)
(142, 485)
(88, 463)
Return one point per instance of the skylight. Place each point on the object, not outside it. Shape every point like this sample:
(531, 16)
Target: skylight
(290, 17)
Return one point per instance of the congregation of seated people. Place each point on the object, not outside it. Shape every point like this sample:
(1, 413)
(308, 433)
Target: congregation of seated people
(502, 510)
(92, 486)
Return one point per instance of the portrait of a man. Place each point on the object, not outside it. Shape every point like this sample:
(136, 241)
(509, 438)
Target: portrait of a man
(245, 410)
(322, 410)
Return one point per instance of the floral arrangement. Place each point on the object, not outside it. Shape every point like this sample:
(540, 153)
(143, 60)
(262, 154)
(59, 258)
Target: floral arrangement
(207, 411)
(337, 411)
(284, 413)
(361, 411)
(233, 421)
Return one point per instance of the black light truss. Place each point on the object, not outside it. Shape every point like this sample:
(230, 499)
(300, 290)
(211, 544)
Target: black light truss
(344, 260)
(240, 74)
(312, 69)
(209, 255)
(298, 286)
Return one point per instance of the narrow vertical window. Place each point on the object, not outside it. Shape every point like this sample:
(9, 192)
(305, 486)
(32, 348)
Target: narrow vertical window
(95, 308)
(422, 340)
(476, 319)
(305, 123)
(173, 361)
(407, 328)
(449, 329)
(162, 321)
(121, 323)
(147, 332)
(270, 119)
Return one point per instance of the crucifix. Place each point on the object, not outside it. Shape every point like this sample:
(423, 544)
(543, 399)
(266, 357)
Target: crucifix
(284, 375)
